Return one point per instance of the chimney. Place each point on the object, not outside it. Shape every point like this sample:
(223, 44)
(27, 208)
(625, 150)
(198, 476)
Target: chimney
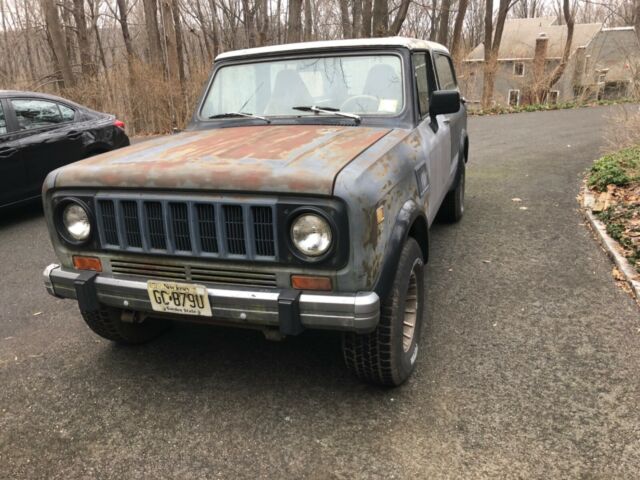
(580, 66)
(540, 56)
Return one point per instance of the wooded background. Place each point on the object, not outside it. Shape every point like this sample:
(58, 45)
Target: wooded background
(147, 60)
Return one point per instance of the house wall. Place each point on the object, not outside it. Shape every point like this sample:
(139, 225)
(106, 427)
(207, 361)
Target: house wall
(473, 79)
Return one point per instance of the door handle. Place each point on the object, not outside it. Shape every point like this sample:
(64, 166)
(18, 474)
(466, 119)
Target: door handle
(7, 152)
(446, 121)
(74, 134)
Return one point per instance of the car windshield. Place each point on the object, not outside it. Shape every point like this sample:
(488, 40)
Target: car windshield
(360, 84)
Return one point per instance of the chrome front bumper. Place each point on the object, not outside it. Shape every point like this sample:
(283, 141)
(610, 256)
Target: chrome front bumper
(357, 312)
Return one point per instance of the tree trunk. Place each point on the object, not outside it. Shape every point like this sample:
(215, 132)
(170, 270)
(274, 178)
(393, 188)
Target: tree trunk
(559, 70)
(214, 28)
(59, 48)
(308, 21)
(456, 42)
(356, 29)
(153, 32)
(380, 18)
(443, 29)
(169, 30)
(400, 17)
(203, 28)
(434, 20)
(263, 36)
(294, 22)
(344, 17)
(366, 18)
(636, 23)
(86, 61)
(249, 23)
(175, 10)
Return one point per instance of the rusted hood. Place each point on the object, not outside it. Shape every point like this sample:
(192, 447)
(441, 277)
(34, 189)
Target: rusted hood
(299, 158)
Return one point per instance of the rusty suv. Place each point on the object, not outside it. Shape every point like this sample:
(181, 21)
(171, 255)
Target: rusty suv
(299, 197)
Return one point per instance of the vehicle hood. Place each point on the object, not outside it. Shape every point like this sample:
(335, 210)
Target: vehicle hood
(282, 158)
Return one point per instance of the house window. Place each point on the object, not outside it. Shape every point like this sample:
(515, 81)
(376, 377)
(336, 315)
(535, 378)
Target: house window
(587, 63)
(514, 98)
(552, 97)
(518, 69)
(601, 77)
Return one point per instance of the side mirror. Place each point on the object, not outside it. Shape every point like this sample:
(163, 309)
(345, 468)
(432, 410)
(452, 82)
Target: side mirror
(443, 102)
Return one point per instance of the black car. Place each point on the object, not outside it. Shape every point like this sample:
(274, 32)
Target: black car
(39, 133)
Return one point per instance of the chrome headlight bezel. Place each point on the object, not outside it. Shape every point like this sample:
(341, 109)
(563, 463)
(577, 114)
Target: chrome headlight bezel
(62, 224)
(325, 222)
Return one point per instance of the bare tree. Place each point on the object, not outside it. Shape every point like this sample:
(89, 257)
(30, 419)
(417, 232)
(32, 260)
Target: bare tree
(560, 68)
(443, 29)
(86, 60)
(294, 21)
(492, 47)
(153, 32)
(59, 48)
(456, 42)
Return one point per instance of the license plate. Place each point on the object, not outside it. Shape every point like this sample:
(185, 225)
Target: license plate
(179, 298)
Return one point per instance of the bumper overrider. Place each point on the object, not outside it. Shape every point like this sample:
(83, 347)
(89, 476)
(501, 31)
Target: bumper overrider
(289, 310)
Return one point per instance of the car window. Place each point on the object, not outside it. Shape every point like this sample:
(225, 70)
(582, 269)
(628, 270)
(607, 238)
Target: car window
(444, 69)
(36, 113)
(422, 82)
(68, 114)
(3, 122)
(364, 84)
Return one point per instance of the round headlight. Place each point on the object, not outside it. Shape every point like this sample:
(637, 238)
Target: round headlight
(311, 234)
(76, 221)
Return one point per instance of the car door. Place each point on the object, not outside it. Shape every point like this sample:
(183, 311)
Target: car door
(434, 135)
(48, 135)
(447, 81)
(13, 173)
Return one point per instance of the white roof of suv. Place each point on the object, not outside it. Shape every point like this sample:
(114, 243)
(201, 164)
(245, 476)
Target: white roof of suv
(410, 43)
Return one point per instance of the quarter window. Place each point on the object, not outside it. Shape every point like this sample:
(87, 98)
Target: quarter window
(3, 122)
(422, 82)
(444, 69)
(37, 113)
(68, 114)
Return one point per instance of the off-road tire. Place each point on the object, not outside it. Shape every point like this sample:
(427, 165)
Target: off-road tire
(452, 207)
(106, 322)
(380, 357)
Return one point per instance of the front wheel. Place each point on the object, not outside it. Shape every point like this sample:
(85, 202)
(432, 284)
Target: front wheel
(387, 356)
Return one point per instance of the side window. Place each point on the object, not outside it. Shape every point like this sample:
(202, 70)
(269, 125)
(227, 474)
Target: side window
(68, 114)
(36, 113)
(422, 82)
(444, 70)
(3, 122)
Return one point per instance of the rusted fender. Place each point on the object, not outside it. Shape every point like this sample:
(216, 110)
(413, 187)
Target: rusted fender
(270, 158)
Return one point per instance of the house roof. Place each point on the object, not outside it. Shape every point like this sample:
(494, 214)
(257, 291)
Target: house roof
(410, 43)
(519, 38)
(616, 51)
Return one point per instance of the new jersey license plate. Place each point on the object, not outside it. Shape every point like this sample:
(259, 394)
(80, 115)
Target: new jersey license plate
(179, 298)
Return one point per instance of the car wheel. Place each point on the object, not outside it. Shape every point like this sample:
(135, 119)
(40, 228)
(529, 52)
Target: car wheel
(107, 323)
(387, 356)
(452, 207)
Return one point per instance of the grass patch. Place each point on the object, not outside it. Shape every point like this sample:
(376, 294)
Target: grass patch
(620, 168)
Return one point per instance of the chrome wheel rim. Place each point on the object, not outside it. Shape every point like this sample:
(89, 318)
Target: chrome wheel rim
(410, 311)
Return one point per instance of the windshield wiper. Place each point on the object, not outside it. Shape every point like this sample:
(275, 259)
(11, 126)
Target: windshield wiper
(239, 114)
(330, 111)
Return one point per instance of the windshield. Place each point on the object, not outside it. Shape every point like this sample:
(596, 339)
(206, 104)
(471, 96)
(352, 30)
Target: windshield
(365, 85)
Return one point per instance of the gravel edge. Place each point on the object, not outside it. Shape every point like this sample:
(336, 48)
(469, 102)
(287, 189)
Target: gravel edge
(610, 245)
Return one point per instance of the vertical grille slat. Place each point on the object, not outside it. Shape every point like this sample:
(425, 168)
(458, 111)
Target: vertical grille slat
(180, 225)
(109, 224)
(263, 231)
(206, 218)
(234, 226)
(131, 223)
(188, 226)
(155, 225)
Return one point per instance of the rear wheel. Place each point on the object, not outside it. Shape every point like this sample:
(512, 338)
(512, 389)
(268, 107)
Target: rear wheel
(387, 355)
(107, 323)
(452, 207)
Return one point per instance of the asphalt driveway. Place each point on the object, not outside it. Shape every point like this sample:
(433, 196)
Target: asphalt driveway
(529, 367)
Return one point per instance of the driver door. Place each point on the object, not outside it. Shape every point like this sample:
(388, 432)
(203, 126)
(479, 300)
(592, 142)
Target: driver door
(435, 137)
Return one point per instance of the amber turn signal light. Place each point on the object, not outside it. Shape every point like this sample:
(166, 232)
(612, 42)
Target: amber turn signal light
(306, 282)
(87, 263)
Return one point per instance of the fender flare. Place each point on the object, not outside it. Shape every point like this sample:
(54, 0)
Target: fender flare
(405, 220)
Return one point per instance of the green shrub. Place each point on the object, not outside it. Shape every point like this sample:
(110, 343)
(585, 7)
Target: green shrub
(619, 168)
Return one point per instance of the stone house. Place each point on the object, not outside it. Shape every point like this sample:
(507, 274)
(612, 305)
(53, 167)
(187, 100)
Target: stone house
(604, 63)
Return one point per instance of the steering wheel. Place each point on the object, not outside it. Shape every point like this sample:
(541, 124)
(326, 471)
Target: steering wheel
(357, 104)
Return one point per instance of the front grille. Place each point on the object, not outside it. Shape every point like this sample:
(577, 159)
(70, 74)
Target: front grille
(187, 227)
(191, 273)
